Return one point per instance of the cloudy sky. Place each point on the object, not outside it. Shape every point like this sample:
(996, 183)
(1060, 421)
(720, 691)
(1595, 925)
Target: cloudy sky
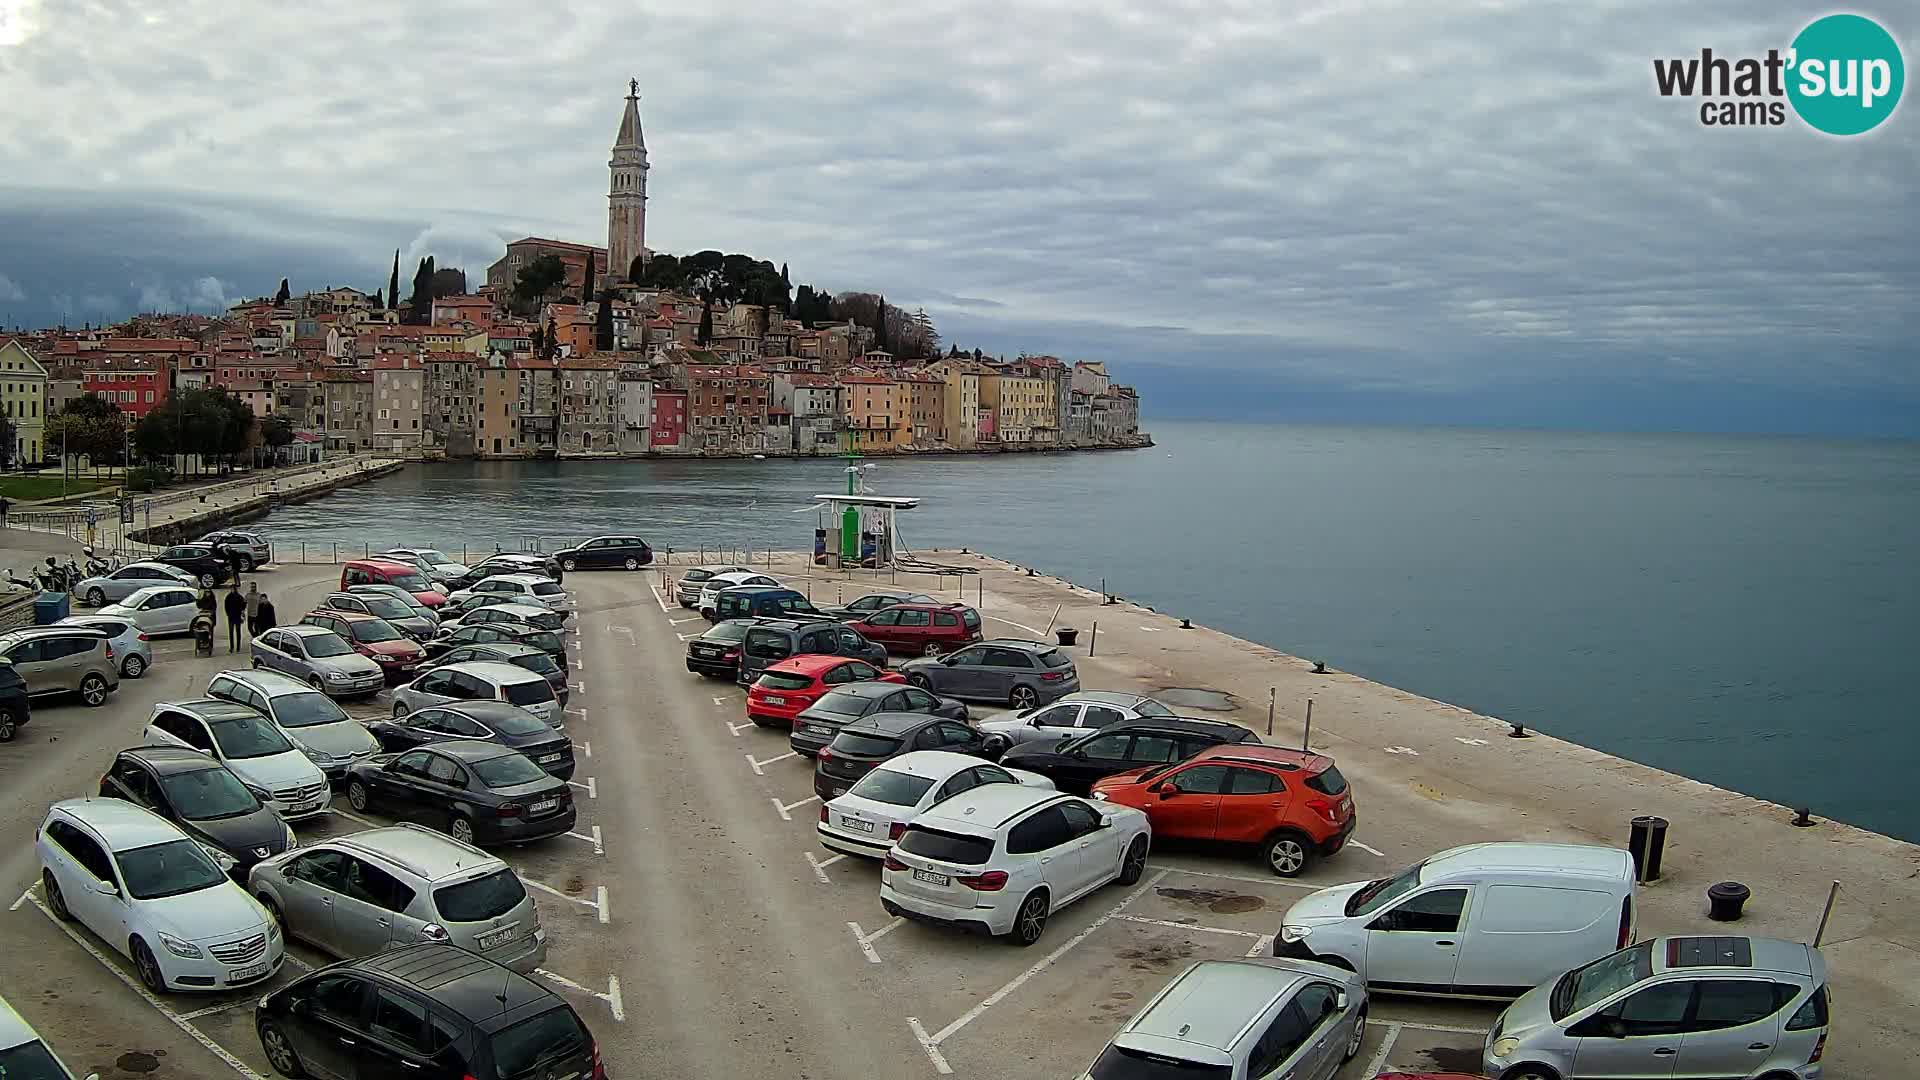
(1375, 211)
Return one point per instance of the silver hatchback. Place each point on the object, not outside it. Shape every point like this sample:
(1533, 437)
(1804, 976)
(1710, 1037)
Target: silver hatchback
(383, 888)
(318, 657)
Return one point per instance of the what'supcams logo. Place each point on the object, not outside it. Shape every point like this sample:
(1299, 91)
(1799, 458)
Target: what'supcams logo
(1843, 75)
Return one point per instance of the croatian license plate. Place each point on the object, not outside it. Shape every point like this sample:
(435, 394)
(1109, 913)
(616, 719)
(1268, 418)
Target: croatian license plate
(931, 878)
(548, 759)
(815, 729)
(709, 653)
(775, 700)
(495, 939)
(1346, 804)
(251, 971)
(304, 808)
(856, 824)
(543, 805)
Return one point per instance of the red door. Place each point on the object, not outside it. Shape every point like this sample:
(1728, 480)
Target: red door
(1192, 809)
(1254, 803)
(883, 627)
(916, 628)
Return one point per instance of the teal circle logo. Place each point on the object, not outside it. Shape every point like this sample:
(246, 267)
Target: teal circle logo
(1845, 74)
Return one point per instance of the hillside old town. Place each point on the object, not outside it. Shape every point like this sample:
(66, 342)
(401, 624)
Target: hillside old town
(571, 350)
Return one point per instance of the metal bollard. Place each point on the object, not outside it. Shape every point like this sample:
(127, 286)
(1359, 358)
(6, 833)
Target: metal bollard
(1647, 843)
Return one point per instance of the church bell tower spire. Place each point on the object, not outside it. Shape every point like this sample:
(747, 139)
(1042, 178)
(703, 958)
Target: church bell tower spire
(627, 191)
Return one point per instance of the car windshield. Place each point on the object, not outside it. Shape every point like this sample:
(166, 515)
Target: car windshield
(1378, 894)
(1606, 976)
(1120, 1063)
(482, 898)
(892, 788)
(324, 646)
(437, 558)
(843, 703)
(1150, 707)
(169, 869)
(518, 723)
(410, 582)
(1155, 772)
(1054, 658)
(768, 645)
(248, 737)
(369, 631)
(531, 692)
(30, 1061)
(387, 607)
(556, 1033)
(307, 709)
(853, 742)
(539, 663)
(783, 680)
(207, 795)
(506, 770)
(946, 847)
(728, 632)
(547, 588)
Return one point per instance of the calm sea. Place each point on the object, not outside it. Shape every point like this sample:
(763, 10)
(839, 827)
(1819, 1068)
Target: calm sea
(1739, 610)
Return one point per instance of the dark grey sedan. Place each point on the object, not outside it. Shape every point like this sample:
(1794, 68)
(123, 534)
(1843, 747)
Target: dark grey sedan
(489, 721)
(816, 726)
(198, 794)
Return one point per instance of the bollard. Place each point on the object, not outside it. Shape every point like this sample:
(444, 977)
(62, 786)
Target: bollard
(1319, 667)
(1804, 819)
(1093, 638)
(1519, 731)
(1647, 843)
(1725, 899)
(1186, 624)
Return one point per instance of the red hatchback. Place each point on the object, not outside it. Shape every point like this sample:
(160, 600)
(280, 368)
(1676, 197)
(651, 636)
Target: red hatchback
(1292, 805)
(787, 688)
(921, 629)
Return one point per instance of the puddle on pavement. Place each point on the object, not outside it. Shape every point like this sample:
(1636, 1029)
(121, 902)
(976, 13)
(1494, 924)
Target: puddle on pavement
(1454, 1058)
(1158, 955)
(1186, 697)
(135, 1061)
(1217, 901)
(573, 885)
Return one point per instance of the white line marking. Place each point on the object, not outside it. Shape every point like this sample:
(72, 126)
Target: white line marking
(866, 940)
(658, 599)
(896, 924)
(1261, 945)
(1239, 877)
(588, 787)
(212, 1009)
(1363, 847)
(932, 1048)
(783, 808)
(611, 997)
(686, 637)
(1379, 1059)
(1149, 629)
(683, 622)
(594, 839)
(1421, 1026)
(820, 867)
(1469, 742)
(578, 664)
(1408, 750)
(551, 891)
(578, 687)
(24, 897)
(350, 816)
(1185, 926)
(1010, 622)
(759, 766)
(736, 729)
(614, 1000)
(719, 701)
(581, 713)
(600, 894)
(619, 629)
(584, 747)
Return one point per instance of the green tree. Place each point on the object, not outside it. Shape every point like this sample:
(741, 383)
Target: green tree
(377, 303)
(284, 294)
(880, 325)
(637, 270)
(393, 282)
(276, 432)
(536, 279)
(446, 281)
(603, 323)
(9, 438)
(586, 288)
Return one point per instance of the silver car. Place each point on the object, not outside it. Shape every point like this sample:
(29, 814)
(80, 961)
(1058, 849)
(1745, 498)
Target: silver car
(104, 589)
(694, 578)
(130, 645)
(481, 680)
(1678, 1006)
(398, 615)
(381, 588)
(309, 719)
(371, 891)
(1070, 717)
(318, 657)
(522, 588)
(1250, 1019)
(438, 565)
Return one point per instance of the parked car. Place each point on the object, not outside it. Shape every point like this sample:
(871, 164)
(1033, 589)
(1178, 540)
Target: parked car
(382, 589)
(863, 606)
(208, 566)
(383, 572)
(247, 743)
(204, 798)
(860, 745)
(103, 589)
(440, 565)
(248, 549)
(711, 587)
(510, 562)
(1004, 857)
(716, 653)
(790, 687)
(407, 558)
(157, 609)
(1070, 717)
(481, 681)
(818, 723)
(384, 888)
(1243, 1020)
(1490, 920)
(24, 1053)
(129, 642)
(453, 611)
(374, 638)
(507, 652)
(763, 601)
(63, 660)
(307, 717)
(1290, 806)
(921, 629)
(1679, 1006)
(15, 711)
(489, 1022)
(606, 553)
(153, 894)
(480, 792)
(398, 615)
(1075, 764)
(530, 589)
(506, 609)
(1022, 673)
(492, 721)
(517, 633)
(687, 587)
(868, 817)
(772, 640)
(320, 658)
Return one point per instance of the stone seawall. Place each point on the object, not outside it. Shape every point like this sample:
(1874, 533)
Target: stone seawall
(191, 520)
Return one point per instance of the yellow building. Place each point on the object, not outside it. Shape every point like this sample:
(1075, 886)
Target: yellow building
(960, 411)
(879, 412)
(1019, 404)
(23, 395)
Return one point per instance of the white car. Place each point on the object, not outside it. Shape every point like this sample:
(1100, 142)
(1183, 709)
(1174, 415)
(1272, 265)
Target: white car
(103, 589)
(875, 811)
(249, 744)
(481, 680)
(157, 609)
(710, 588)
(1003, 857)
(440, 565)
(156, 895)
(1068, 718)
(523, 588)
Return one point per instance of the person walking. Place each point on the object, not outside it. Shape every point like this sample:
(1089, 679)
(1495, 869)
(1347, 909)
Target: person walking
(253, 601)
(263, 618)
(5, 505)
(236, 614)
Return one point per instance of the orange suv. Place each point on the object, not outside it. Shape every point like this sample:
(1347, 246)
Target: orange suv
(1292, 805)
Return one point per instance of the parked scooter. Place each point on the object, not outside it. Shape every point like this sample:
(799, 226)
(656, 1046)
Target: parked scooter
(97, 566)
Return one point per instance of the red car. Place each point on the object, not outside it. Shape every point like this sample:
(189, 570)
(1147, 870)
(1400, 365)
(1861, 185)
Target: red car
(785, 689)
(1292, 805)
(921, 629)
(376, 639)
(382, 572)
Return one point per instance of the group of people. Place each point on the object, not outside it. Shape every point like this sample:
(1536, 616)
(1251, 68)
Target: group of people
(248, 615)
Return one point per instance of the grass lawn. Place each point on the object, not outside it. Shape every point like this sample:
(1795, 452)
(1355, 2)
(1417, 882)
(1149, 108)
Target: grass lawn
(46, 486)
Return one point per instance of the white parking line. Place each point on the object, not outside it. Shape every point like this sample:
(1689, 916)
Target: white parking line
(1010, 622)
(783, 808)
(1379, 1060)
(243, 1003)
(1186, 926)
(820, 866)
(683, 622)
(612, 629)
(579, 687)
(598, 903)
(1242, 877)
(588, 787)
(350, 816)
(1420, 1026)
(1260, 945)
(658, 599)
(584, 747)
(1365, 848)
(719, 701)
(686, 637)
(594, 839)
(932, 1048)
(600, 896)
(736, 729)
(759, 767)
(24, 897)
(865, 940)
(577, 664)
(611, 997)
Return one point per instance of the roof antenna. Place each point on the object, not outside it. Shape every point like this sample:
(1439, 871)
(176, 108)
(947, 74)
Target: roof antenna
(501, 997)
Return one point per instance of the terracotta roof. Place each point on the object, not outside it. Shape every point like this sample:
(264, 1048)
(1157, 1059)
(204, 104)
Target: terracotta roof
(557, 245)
(394, 362)
(117, 364)
(341, 375)
(868, 380)
(149, 345)
(442, 357)
(811, 381)
(588, 363)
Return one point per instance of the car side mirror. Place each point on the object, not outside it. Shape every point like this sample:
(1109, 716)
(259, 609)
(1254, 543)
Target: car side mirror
(1340, 999)
(106, 888)
(1166, 790)
(1079, 755)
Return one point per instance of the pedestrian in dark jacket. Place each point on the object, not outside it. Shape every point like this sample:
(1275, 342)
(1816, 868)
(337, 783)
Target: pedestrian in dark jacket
(206, 603)
(263, 616)
(236, 617)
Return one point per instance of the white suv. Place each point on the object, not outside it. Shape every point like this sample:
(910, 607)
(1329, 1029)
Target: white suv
(522, 588)
(156, 895)
(481, 680)
(1002, 857)
(875, 811)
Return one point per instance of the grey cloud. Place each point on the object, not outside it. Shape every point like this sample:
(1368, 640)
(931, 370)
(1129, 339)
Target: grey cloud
(9, 291)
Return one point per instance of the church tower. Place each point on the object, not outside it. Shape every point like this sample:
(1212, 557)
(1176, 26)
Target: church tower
(627, 191)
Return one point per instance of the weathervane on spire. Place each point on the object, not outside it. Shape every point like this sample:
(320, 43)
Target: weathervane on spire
(633, 88)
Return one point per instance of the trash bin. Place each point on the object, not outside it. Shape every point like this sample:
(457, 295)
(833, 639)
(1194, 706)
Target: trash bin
(1647, 842)
(1725, 900)
(1067, 634)
(50, 607)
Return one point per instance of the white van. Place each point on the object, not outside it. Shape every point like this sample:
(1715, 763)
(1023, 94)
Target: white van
(1485, 920)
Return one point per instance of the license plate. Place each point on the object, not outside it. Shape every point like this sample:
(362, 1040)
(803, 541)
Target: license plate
(543, 805)
(1346, 805)
(814, 729)
(495, 939)
(251, 971)
(773, 700)
(856, 824)
(549, 758)
(304, 808)
(709, 653)
(931, 878)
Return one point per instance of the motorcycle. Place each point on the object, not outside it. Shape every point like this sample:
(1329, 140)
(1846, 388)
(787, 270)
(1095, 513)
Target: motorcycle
(97, 566)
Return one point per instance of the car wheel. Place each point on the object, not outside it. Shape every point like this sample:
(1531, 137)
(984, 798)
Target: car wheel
(93, 690)
(134, 667)
(399, 709)
(279, 1051)
(1359, 1036)
(56, 902)
(148, 967)
(568, 565)
(96, 597)
(460, 828)
(208, 581)
(317, 683)
(1529, 1072)
(1031, 921)
(357, 796)
(994, 746)
(1287, 853)
(1023, 697)
(1135, 862)
(246, 563)
(931, 648)
(273, 912)
(919, 680)
(7, 726)
(632, 563)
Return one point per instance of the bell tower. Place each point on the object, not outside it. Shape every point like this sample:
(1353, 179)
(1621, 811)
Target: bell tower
(627, 190)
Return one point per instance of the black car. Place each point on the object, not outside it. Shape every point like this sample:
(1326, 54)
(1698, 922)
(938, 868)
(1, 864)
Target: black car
(14, 710)
(204, 561)
(770, 641)
(249, 549)
(547, 641)
(870, 740)
(606, 553)
(508, 652)
(479, 792)
(816, 726)
(198, 794)
(431, 1011)
(875, 601)
(508, 562)
(1074, 764)
(716, 653)
(492, 721)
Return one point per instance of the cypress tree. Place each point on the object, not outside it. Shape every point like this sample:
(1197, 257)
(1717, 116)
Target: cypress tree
(284, 294)
(586, 291)
(880, 325)
(393, 282)
(377, 303)
(603, 325)
(706, 322)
